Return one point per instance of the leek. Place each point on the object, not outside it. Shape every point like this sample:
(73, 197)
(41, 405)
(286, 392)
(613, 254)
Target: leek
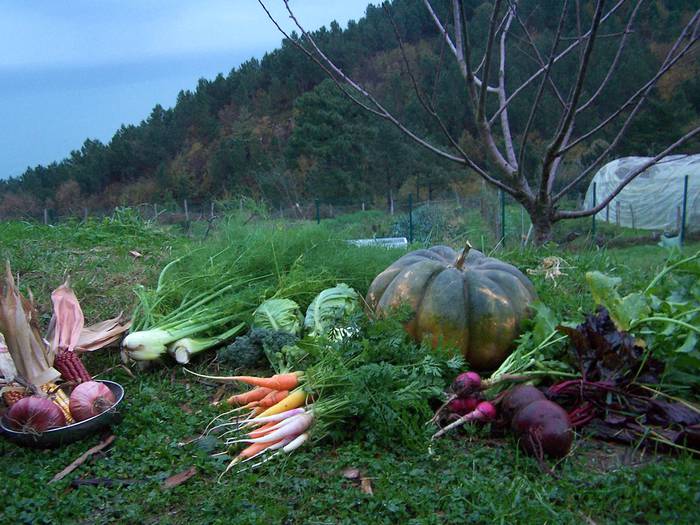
(183, 349)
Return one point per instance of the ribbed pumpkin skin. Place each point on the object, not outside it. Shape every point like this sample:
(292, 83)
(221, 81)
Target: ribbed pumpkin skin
(478, 308)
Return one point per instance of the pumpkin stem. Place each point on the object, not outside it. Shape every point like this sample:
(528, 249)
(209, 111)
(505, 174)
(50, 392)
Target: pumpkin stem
(463, 257)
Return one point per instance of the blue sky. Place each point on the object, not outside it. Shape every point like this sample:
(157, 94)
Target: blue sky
(77, 69)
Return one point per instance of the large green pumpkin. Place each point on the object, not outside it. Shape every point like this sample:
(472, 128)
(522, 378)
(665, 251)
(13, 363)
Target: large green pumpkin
(468, 300)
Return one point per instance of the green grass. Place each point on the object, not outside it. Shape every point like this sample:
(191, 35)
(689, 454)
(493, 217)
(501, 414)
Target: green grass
(466, 480)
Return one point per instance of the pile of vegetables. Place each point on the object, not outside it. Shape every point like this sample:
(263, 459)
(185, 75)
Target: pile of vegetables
(375, 383)
(35, 365)
(617, 375)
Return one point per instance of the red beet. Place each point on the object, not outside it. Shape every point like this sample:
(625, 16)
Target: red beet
(518, 398)
(543, 428)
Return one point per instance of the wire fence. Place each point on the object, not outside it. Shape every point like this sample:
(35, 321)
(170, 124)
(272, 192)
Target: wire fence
(490, 218)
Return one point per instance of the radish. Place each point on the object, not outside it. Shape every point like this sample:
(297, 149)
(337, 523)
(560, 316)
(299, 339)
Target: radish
(484, 412)
(543, 428)
(462, 406)
(466, 384)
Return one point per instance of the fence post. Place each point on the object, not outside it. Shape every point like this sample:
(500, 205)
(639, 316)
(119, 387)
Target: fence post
(618, 211)
(46, 216)
(155, 211)
(85, 214)
(593, 216)
(363, 205)
(211, 212)
(685, 201)
(503, 218)
(318, 211)
(410, 218)
(187, 211)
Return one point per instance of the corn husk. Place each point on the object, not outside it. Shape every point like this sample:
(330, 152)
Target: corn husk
(7, 365)
(67, 321)
(102, 334)
(19, 325)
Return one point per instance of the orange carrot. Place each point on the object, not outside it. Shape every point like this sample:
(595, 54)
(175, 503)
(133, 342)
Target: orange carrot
(277, 382)
(254, 449)
(263, 429)
(247, 397)
(273, 398)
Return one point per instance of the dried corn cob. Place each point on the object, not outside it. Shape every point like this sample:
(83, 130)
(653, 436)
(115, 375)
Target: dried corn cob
(70, 366)
(58, 396)
(10, 395)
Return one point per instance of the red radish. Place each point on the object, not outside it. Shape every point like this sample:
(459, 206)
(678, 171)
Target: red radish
(484, 412)
(518, 398)
(543, 428)
(90, 399)
(466, 384)
(462, 406)
(35, 414)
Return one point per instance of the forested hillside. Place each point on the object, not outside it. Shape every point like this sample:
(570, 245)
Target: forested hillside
(276, 129)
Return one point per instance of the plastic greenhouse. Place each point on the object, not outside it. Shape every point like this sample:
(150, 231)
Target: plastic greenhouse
(653, 200)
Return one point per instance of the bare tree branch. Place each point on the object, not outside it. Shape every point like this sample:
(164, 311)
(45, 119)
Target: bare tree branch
(669, 60)
(463, 56)
(505, 122)
(668, 63)
(561, 55)
(332, 70)
(481, 107)
(540, 90)
(616, 59)
(432, 112)
(566, 214)
(567, 120)
(539, 60)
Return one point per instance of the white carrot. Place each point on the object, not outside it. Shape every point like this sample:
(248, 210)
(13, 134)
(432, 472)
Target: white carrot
(276, 417)
(296, 427)
(296, 442)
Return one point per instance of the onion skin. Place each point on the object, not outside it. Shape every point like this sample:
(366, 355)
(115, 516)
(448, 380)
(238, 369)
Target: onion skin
(35, 414)
(90, 399)
(544, 429)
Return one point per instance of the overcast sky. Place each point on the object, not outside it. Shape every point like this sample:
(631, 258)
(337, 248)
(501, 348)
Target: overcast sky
(77, 69)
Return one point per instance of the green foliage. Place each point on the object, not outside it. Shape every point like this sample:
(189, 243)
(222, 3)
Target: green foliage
(464, 481)
(277, 129)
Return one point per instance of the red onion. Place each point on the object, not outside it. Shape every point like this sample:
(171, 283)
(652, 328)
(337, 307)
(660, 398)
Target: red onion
(90, 399)
(35, 414)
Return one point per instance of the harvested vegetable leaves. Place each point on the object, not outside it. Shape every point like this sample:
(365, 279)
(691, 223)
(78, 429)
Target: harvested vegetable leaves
(330, 310)
(280, 315)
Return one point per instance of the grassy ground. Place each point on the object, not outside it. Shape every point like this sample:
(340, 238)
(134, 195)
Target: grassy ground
(466, 480)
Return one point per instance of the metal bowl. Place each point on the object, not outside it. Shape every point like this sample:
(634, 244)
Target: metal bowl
(70, 433)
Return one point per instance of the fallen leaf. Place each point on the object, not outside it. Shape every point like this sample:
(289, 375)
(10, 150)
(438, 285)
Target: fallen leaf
(135, 254)
(179, 478)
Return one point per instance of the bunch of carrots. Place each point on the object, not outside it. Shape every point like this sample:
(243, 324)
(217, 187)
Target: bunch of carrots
(278, 420)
